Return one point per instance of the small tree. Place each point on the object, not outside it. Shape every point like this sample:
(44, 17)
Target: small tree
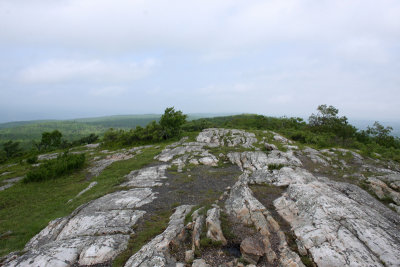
(328, 121)
(379, 131)
(171, 123)
(50, 140)
(11, 149)
(381, 135)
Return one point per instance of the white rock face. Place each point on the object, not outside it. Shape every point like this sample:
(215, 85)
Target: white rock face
(338, 224)
(10, 182)
(226, 137)
(90, 186)
(341, 225)
(317, 157)
(147, 177)
(94, 233)
(123, 154)
(154, 252)
(281, 139)
(214, 231)
(257, 160)
(48, 156)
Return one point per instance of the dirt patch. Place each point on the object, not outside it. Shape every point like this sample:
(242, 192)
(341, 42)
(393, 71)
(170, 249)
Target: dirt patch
(198, 185)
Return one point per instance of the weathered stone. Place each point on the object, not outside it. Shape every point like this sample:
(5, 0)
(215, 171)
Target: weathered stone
(214, 231)
(155, 253)
(226, 137)
(258, 160)
(383, 191)
(90, 186)
(251, 250)
(281, 139)
(200, 263)
(123, 154)
(189, 256)
(316, 156)
(146, 177)
(48, 156)
(330, 219)
(270, 147)
(92, 145)
(197, 228)
(94, 233)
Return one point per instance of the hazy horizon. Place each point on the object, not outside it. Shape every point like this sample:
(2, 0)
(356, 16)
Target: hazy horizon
(72, 59)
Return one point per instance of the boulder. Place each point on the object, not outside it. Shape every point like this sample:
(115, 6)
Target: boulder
(251, 249)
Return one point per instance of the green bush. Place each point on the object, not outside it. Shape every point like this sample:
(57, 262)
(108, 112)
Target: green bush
(170, 126)
(273, 166)
(56, 168)
(32, 159)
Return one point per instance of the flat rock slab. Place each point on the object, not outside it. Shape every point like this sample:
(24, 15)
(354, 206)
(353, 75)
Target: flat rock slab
(10, 182)
(93, 234)
(341, 225)
(146, 177)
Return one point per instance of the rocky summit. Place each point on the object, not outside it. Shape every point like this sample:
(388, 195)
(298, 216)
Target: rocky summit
(244, 199)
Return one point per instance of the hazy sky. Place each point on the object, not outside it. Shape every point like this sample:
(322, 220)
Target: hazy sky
(80, 58)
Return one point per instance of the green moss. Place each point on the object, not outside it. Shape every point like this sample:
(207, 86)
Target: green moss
(273, 166)
(207, 242)
(307, 261)
(226, 226)
(152, 227)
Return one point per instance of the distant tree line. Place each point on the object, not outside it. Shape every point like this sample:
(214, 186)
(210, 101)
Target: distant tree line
(324, 129)
(50, 141)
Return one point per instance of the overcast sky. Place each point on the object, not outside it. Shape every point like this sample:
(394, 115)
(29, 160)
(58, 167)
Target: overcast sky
(80, 58)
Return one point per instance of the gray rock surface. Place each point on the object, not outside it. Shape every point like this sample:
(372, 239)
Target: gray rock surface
(90, 186)
(99, 165)
(200, 263)
(155, 253)
(48, 156)
(214, 231)
(257, 160)
(94, 233)
(10, 182)
(226, 137)
(146, 177)
(251, 250)
(341, 225)
(335, 224)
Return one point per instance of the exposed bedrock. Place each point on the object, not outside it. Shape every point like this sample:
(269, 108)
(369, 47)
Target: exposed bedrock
(341, 225)
(94, 233)
(333, 223)
(155, 253)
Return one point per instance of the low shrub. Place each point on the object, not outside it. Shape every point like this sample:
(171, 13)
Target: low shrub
(273, 166)
(32, 159)
(56, 168)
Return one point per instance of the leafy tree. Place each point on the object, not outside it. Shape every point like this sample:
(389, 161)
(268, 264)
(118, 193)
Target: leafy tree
(11, 149)
(50, 140)
(171, 123)
(328, 121)
(379, 131)
(326, 117)
(381, 135)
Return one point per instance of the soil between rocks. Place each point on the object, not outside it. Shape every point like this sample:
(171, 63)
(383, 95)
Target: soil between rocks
(199, 186)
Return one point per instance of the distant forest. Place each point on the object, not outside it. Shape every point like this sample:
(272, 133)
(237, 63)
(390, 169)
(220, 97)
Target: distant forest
(26, 131)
